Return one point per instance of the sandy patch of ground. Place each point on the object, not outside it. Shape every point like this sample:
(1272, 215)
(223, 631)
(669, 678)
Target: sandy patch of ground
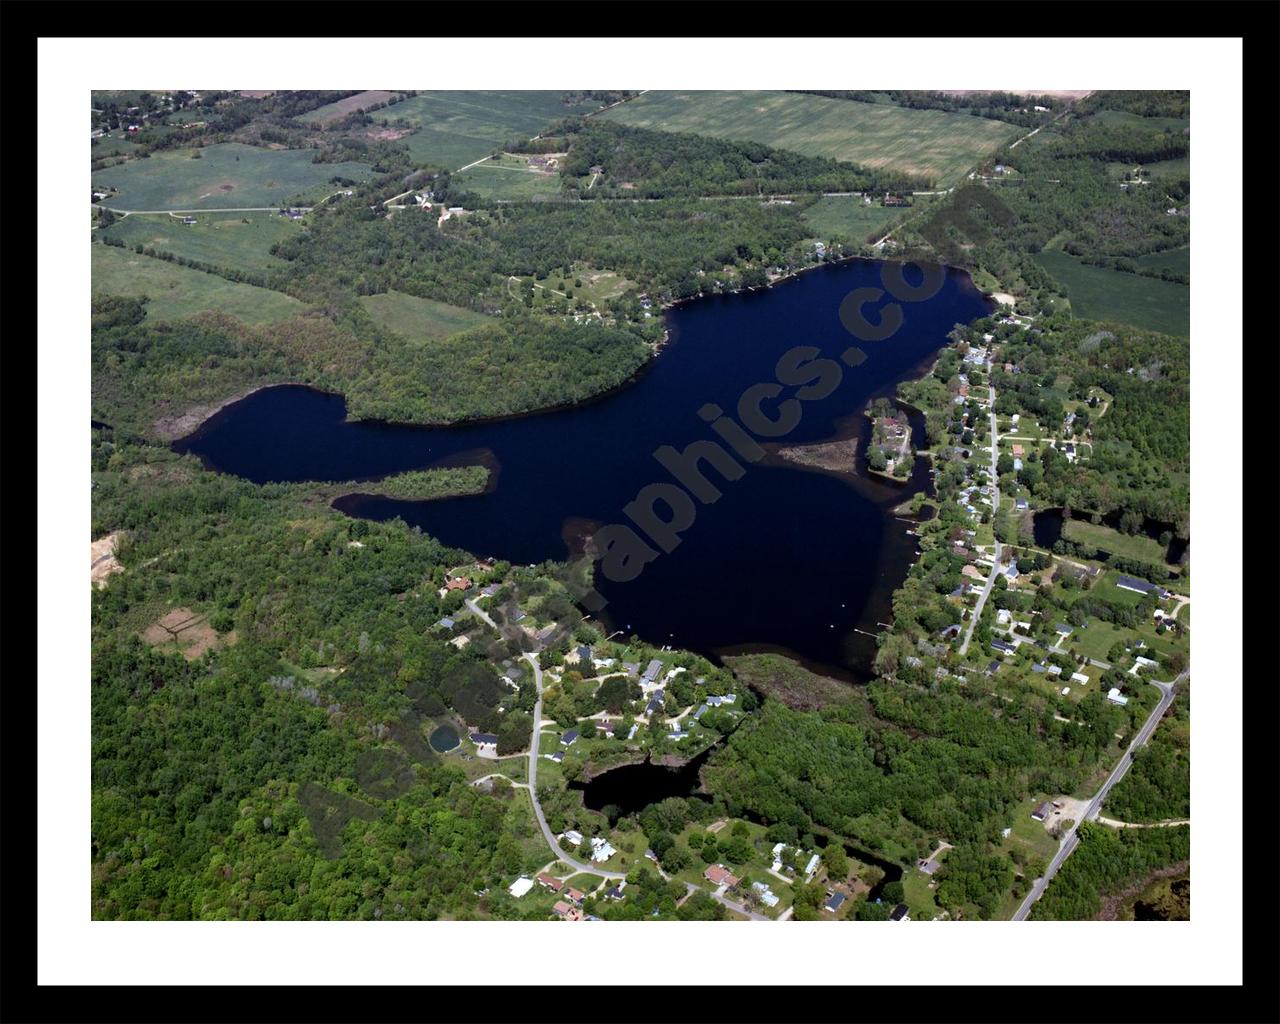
(255, 94)
(389, 134)
(102, 554)
(1004, 298)
(189, 632)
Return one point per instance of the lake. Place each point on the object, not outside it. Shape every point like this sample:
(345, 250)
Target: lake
(788, 559)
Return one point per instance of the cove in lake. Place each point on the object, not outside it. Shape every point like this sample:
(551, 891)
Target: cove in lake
(787, 559)
(632, 787)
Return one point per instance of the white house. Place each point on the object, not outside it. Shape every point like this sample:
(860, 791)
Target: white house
(1116, 697)
(601, 850)
(1079, 677)
(574, 837)
(811, 867)
(520, 886)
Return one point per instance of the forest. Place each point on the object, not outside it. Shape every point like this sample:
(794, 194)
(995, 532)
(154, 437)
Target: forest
(1105, 862)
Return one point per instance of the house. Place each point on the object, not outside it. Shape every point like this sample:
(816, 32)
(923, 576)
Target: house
(718, 874)
(557, 757)
(993, 668)
(1115, 696)
(601, 850)
(561, 909)
(1066, 690)
(1042, 811)
(607, 727)
(574, 837)
(1020, 505)
(584, 653)
(1038, 668)
(188, 220)
(518, 616)
(630, 668)
(1055, 670)
(651, 673)
(655, 703)
(699, 713)
(1003, 616)
(767, 896)
(1141, 663)
(836, 902)
(520, 886)
(446, 622)
(460, 641)
(1017, 465)
(900, 913)
(458, 583)
(1079, 677)
(777, 855)
(569, 738)
(1003, 646)
(548, 882)
(632, 733)
(615, 892)
(574, 896)
(677, 735)
(1018, 451)
(811, 867)
(490, 590)
(1012, 571)
(1141, 586)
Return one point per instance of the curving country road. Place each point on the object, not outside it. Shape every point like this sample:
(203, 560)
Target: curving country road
(1167, 692)
(550, 837)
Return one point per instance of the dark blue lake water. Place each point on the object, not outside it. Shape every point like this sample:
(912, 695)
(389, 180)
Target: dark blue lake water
(787, 559)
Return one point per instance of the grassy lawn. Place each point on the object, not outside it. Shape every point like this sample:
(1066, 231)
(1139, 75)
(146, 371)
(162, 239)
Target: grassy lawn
(419, 321)
(1101, 294)
(1098, 637)
(1138, 546)
(937, 145)
(507, 184)
(598, 286)
(850, 219)
(918, 896)
(1106, 589)
(1030, 835)
(174, 292)
(226, 175)
(455, 128)
(225, 240)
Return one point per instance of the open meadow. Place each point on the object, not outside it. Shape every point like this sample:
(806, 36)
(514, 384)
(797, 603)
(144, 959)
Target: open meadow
(455, 128)
(1101, 294)
(931, 143)
(174, 292)
(419, 321)
(228, 175)
(235, 240)
(331, 112)
(499, 183)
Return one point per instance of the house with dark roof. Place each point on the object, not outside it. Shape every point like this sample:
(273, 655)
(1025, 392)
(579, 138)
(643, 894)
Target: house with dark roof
(900, 913)
(1140, 586)
(615, 892)
(446, 622)
(1062, 629)
(835, 902)
(1042, 811)
(484, 739)
(584, 653)
(569, 738)
(651, 673)
(1003, 646)
(700, 712)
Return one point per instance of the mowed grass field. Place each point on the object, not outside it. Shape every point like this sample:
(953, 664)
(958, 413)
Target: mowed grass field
(1172, 259)
(240, 240)
(175, 292)
(498, 183)
(228, 175)
(931, 143)
(336, 111)
(1101, 294)
(455, 128)
(849, 218)
(1104, 538)
(417, 320)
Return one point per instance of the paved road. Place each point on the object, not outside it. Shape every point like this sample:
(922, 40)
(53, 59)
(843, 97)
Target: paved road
(1167, 691)
(995, 506)
(550, 837)
(476, 610)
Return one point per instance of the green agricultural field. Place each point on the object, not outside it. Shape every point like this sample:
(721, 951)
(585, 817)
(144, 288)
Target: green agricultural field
(1128, 119)
(336, 111)
(505, 184)
(849, 218)
(228, 175)
(417, 320)
(1104, 538)
(240, 240)
(931, 143)
(175, 292)
(1100, 294)
(1172, 259)
(455, 128)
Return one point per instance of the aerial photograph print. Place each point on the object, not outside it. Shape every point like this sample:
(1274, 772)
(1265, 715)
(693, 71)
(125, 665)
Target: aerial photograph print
(657, 505)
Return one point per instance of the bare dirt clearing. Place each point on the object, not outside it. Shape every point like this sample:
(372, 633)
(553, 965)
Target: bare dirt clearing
(188, 632)
(103, 563)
